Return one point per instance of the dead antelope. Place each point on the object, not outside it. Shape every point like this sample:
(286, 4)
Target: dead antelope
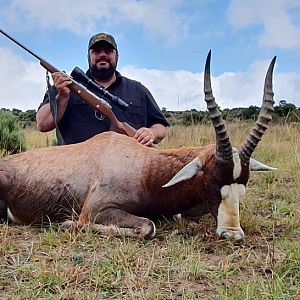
(117, 185)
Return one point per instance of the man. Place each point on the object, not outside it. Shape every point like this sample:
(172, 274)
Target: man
(78, 121)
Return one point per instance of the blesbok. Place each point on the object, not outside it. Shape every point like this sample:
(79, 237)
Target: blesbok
(116, 185)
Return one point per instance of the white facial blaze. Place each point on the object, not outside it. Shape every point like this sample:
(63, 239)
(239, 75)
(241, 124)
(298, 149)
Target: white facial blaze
(228, 213)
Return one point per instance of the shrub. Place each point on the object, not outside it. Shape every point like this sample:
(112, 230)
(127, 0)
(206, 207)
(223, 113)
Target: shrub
(12, 138)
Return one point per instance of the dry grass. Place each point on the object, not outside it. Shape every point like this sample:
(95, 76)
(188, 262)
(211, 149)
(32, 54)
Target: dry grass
(36, 139)
(185, 260)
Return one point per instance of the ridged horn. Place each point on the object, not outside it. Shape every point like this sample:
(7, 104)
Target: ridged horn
(264, 117)
(223, 149)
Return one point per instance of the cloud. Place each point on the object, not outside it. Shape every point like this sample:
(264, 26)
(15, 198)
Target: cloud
(280, 28)
(156, 17)
(23, 85)
(182, 90)
(175, 90)
(22, 82)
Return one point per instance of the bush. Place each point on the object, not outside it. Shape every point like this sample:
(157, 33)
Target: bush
(12, 138)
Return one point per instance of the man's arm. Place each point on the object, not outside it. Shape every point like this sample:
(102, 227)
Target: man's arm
(156, 122)
(159, 132)
(44, 118)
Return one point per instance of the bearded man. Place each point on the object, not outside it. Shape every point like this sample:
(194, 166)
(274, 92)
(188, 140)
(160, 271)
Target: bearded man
(77, 121)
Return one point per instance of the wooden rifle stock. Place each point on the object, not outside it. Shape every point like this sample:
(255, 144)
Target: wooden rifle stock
(96, 102)
(89, 97)
(103, 107)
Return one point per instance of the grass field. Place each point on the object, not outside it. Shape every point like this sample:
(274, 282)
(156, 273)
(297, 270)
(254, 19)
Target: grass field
(185, 260)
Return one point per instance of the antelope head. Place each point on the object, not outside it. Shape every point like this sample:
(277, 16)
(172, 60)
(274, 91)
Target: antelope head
(224, 175)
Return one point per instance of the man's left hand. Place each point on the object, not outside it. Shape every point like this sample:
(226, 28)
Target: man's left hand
(144, 136)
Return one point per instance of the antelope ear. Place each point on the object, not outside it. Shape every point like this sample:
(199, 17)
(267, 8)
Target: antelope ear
(256, 165)
(187, 172)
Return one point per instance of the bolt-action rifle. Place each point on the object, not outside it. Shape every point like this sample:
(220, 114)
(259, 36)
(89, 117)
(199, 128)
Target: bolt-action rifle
(100, 104)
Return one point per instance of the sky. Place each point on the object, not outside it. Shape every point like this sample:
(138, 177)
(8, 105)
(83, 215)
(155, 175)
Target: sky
(162, 43)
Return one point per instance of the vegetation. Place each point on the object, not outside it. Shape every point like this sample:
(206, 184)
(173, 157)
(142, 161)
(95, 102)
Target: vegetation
(25, 118)
(12, 139)
(283, 113)
(185, 260)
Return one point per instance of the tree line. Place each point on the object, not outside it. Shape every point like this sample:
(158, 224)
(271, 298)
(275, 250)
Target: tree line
(26, 118)
(283, 112)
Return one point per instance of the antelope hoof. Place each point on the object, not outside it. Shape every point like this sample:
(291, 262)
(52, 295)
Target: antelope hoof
(68, 225)
(227, 234)
(146, 231)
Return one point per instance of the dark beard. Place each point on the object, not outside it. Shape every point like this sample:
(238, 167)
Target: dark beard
(103, 73)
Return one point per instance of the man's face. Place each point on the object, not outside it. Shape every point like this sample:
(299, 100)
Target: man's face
(103, 60)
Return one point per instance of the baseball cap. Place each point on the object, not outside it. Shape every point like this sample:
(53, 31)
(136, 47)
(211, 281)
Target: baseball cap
(105, 37)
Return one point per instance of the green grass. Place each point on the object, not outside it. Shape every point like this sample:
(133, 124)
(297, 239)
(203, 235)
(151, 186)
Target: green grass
(184, 260)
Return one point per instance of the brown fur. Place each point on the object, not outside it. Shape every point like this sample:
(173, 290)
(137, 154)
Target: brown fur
(110, 180)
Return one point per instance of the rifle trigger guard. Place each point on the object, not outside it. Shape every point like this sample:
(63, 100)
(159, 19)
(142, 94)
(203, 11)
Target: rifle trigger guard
(101, 117)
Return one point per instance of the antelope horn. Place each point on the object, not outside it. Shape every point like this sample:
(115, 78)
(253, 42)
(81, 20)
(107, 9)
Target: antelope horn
(223, 148)
(264, 117)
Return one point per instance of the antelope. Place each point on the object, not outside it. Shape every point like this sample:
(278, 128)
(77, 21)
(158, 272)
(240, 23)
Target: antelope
(113, 185)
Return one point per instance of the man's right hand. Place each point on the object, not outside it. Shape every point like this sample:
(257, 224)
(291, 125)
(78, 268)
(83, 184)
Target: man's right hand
(61, 82)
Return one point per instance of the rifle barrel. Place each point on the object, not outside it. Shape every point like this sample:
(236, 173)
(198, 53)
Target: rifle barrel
(21, 45)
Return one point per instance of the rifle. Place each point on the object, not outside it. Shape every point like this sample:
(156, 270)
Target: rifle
(98, 103)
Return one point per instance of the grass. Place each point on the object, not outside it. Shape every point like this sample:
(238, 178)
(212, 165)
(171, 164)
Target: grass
(185, 260)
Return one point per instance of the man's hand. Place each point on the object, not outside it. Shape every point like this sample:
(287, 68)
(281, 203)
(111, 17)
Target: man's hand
(144, 136)
(61, 82)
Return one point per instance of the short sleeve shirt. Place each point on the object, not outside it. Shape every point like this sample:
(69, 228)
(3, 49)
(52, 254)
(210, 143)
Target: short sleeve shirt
(80, 121)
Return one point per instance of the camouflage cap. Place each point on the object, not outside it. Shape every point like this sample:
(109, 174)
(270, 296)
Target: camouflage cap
(102, 37)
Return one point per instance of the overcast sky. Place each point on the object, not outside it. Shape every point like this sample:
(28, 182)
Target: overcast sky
(162, 43)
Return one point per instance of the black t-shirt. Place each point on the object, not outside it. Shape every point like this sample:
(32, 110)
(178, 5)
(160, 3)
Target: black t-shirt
(80, 121)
